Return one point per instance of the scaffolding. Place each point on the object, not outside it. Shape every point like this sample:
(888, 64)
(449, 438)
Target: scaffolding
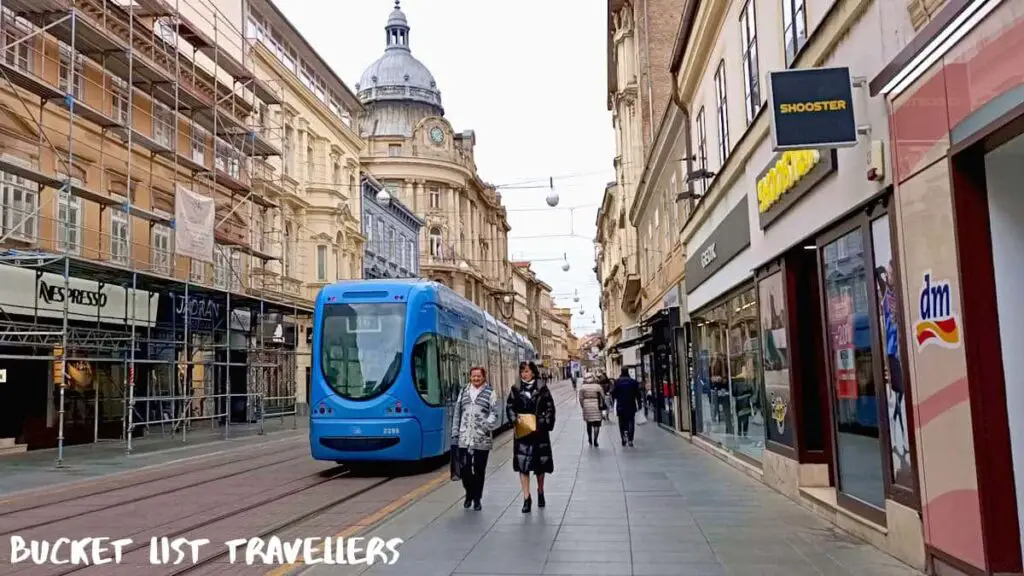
(109, 108)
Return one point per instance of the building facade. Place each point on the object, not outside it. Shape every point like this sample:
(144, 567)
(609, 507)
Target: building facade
(797, 356)
(314, 182)
(956, 146)
(658, 209)
(93, 202)
(610, 270)
(639, 88)
(392, 235)
(429, 167)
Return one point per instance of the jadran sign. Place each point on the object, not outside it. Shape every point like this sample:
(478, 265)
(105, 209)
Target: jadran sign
(811, 108)
(789, 176)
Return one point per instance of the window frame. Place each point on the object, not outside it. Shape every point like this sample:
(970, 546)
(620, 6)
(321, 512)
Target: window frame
(795, 11)
(702, 146)
(67, 229)
(120, 218)
(722, 112)
(751, 68)
(161, 259)
(422, 339)
(321, 262)
(10, 185)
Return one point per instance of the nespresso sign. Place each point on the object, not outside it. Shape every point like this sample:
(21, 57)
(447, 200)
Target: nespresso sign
(788, 177)
(730, 238)
(51, 294)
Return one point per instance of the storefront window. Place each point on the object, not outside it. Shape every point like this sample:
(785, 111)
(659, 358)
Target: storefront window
(775, 361)
(889, 325)
(851, 365)
(729, 391)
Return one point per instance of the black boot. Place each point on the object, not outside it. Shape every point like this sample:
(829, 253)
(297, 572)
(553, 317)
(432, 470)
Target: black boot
(526, 505)
(540, 499)
(476, 505)
(468, 502)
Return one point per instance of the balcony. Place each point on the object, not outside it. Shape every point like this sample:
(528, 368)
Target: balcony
(632, 285)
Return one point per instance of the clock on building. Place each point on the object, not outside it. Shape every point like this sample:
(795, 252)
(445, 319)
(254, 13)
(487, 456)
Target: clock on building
(436, 135)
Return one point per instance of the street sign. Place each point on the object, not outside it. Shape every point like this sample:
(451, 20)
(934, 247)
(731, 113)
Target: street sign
(811, 108)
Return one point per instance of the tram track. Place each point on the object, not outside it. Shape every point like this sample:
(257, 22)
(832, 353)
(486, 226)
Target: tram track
(248, 517)
(258, 465)
(297, 520)
(270, 495)
(158, 473)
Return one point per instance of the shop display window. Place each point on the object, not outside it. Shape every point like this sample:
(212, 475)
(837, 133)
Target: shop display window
(728, 388)
(775, 358)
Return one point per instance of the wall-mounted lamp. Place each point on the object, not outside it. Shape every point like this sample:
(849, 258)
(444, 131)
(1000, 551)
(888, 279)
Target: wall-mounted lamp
(688, 195)
(699, 174)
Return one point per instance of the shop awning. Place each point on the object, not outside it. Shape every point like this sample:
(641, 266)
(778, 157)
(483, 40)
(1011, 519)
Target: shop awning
(632, 342)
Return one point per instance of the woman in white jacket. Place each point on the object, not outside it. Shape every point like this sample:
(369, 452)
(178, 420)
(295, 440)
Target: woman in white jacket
(476, 416)
(592, 402)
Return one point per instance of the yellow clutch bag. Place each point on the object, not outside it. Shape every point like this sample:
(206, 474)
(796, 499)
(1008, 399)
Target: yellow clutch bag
(526, 424)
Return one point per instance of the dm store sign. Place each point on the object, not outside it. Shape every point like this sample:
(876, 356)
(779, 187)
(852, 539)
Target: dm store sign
(937, 323)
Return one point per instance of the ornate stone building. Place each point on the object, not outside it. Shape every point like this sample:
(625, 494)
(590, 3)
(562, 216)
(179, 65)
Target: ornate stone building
(429, 167)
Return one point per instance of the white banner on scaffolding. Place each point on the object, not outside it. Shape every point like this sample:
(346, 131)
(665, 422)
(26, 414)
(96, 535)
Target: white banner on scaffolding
(194, 217)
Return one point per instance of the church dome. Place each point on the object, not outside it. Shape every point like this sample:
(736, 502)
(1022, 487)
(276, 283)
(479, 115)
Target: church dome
(398, 76)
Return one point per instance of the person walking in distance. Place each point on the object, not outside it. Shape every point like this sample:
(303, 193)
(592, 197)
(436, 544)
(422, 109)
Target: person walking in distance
(531, 408)
(592, 402)
(628, 397)
(476, 416)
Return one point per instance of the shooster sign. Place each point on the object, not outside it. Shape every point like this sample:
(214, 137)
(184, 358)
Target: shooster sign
(789, 176)
(811, 108)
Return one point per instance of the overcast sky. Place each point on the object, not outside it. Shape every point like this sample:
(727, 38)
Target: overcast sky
(530, 78)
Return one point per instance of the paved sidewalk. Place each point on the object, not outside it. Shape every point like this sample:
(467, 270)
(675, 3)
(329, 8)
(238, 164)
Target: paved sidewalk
(661, 508)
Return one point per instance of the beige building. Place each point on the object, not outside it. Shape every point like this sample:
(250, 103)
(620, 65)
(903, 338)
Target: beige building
(562, 336)
(640, 42)
(611, 265)
(429, 166)
(92, 190)
(315, 182)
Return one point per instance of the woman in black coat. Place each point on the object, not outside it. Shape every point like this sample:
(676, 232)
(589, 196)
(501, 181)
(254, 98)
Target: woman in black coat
(532, 452)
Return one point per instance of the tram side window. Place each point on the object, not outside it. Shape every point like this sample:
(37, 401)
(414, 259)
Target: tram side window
(425, 370)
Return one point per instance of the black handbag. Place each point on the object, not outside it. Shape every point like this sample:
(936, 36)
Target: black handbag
(456, 463)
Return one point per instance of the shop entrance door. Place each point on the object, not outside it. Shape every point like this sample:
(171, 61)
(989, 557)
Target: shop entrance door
(846, 271)
(1003, 174)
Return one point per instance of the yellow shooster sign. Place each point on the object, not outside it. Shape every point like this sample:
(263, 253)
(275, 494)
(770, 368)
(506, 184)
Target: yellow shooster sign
(787, 171)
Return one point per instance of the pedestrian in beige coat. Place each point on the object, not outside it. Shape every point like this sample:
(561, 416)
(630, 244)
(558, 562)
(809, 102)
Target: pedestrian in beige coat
(592, 402)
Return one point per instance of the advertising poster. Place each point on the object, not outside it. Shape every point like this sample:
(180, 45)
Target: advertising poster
(841, 334)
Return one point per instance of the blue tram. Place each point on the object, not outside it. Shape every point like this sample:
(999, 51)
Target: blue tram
(389, 358)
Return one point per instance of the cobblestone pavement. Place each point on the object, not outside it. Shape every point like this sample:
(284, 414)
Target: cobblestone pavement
(661, 508)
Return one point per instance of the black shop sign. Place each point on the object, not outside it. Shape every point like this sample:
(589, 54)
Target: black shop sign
(811, 108)
(727, 241)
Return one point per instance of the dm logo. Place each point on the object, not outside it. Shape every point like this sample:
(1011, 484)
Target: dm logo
(937, 324)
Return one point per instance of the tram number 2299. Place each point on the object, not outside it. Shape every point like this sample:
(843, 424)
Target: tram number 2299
(390, 431)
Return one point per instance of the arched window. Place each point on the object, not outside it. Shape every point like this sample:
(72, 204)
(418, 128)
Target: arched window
(435, 242)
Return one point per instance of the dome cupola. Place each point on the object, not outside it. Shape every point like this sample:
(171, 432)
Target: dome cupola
(397, 76)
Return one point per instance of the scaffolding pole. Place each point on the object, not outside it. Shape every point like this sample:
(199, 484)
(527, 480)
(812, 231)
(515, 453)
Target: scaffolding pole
(65, 196)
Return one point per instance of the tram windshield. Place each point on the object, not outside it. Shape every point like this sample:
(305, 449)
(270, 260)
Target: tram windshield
(361, 347)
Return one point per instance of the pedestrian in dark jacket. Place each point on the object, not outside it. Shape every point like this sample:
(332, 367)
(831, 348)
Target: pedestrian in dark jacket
(529, 402)
(628, 396)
